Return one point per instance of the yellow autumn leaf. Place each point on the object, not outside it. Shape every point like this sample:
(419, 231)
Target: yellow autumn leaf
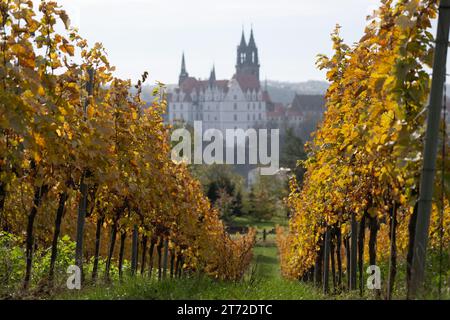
(36, 157)
(39, 140)
(41, 91)
(90, 111)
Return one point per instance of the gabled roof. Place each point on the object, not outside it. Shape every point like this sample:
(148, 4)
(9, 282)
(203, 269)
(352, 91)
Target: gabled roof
(189, 84)
(266, 97)
(306, 102)
(247, 81)
(192, 85)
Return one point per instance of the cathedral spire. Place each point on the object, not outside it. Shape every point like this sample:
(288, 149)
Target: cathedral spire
(243, 43)
(183, 63)
(251, 41)
(212, 76)
(183, 74)
(247, 61)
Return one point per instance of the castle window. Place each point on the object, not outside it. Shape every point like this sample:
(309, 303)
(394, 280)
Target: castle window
(235, 117)
(248, 106)
(248, 117)
(235, 97)
(181, 106)
(254, 118)
(260, 116)
(259, 106)
(235, 106)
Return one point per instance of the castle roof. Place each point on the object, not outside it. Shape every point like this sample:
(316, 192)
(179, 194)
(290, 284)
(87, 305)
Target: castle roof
(278, 110)
(191, 84)
(247, 82)
(266, 96)
(308, 102)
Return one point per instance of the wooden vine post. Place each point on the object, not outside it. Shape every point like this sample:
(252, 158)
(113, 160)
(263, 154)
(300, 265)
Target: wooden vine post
(82, 206)
(430, 152)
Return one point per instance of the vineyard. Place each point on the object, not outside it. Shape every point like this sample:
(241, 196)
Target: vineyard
(358, 202)
(86, 176)
(85, 169)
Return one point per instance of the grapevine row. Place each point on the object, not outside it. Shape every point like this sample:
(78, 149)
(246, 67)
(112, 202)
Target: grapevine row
(360, 189)
(82, 155)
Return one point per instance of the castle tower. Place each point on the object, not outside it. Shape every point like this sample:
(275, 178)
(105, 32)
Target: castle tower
(247, 57)
(183, 74)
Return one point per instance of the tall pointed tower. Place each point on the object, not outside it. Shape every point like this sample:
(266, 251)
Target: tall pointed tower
(183, 73)
(241, 53)
(247, 57)
(212, 76)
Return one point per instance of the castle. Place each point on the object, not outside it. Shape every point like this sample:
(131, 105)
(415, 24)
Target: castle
(239, 103)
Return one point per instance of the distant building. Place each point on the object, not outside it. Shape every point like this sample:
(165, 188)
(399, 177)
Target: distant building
(302, 109)
(308, 104)
(240, 102)
(253, 176)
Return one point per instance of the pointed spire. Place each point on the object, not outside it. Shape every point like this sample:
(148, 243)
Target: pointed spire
(243, 42)
(212, 76)
(251, 41)
(183, 64)
(183, 73)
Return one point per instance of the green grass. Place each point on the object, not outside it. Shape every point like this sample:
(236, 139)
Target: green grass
(249, 221)
(263, 281)
(195, 288)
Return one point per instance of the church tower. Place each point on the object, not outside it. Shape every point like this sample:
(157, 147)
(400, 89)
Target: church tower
(247, 61)
(183, 74)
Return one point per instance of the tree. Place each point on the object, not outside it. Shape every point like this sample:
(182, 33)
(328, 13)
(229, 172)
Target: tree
(291, 153)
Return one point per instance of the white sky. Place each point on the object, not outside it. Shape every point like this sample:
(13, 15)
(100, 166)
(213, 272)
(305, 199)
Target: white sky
(150, 35)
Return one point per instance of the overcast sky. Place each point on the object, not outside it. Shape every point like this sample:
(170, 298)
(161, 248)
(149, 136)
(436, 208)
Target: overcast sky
(150, 35)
